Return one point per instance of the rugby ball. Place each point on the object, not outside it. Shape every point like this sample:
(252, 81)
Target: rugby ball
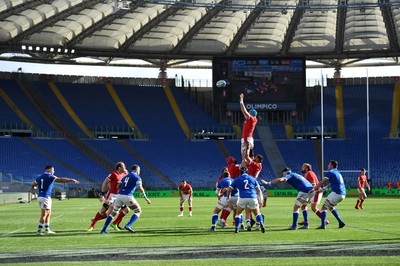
(221, 83)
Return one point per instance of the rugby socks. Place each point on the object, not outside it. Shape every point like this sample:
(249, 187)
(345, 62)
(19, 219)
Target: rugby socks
(323, 218)
(40, 227)
(295, 217)
(305, 216)
(121, 215)
(107, 223)
(336, 214)
(260, 219)
(133, 219)
(225, 213)
(47, 226)
(237, 222)
(318, 213)
(99, 216)
(358, 203)
(214, 219)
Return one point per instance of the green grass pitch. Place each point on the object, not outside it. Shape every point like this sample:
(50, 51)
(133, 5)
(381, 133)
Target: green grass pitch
(370, 237)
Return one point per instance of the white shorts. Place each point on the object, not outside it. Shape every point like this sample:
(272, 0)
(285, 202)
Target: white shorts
(334, 199)
(305, 196)
(222, 203)
(125, 200)
(250, 203)
(110, 198)
(185, 197)
(248, 144)
(233, 201)
(45, 203)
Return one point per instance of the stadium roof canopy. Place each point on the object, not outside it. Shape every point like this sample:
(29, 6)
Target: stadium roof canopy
(166, 33)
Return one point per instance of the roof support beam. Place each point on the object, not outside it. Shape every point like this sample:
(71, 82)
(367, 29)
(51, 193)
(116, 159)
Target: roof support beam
(95, 27)
(244, 28)
(340, 27)
(387, 15)
(146, 28)
(294, 22)
(211, 12)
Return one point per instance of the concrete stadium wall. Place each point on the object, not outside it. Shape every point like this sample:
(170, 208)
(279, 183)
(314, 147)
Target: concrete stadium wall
(14, 197)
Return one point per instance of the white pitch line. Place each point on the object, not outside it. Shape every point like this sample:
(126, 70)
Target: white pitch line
(12, 232)
(58, 216)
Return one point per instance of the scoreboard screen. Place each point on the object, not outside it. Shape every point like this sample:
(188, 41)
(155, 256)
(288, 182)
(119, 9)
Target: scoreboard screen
(267, 83)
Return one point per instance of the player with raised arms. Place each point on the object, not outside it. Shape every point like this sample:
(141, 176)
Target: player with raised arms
(247, 141)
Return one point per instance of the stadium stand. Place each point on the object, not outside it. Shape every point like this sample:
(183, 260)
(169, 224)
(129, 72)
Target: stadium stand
(297, 152)
(22, 102)
(278, 131)
(23, 162)
(148, 107)
(167, 156)
(93, 105)
(351, 152)
(46, 95)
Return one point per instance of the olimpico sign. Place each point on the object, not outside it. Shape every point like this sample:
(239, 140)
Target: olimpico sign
(263, 106)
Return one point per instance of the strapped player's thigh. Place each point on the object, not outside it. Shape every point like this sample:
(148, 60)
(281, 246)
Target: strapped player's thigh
(303, 198)
(222, 203)
(333, 199)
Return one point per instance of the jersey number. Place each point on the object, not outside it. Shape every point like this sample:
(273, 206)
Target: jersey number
(41, 183)
(246, 184)
(126, 181)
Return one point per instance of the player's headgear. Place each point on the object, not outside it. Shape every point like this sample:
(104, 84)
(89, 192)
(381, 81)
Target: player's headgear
(243, 170)
(253, 112)
(135, 168)
(286, 171)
